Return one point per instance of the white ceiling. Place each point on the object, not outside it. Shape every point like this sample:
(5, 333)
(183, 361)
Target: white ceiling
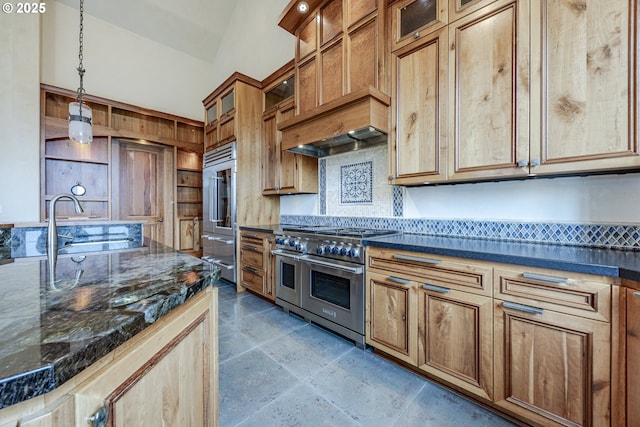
(195, 27)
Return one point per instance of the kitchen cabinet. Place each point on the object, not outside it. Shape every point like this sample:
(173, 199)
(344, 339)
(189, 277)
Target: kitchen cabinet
(284, 172)
(226, 109)
(340, 49)
(96, 166)
(552, 346)
(584, 86)
(255, 263)
(391, 313)
(434, 313)
(165, 375)
(417, 146)
(488, 133)
(533, 343)
(413, 19)
(633, 356)
(188, 201)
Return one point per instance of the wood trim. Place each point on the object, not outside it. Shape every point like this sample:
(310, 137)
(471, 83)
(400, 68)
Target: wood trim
(113, 398)
(118, 104)
(290, 19)
(274, 78)
(233, 78)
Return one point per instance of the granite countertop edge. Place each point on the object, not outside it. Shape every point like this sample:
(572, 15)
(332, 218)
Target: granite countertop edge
(132, 320)
(624, 264)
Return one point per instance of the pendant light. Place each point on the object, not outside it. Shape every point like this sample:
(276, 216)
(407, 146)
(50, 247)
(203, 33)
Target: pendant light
(80, 113)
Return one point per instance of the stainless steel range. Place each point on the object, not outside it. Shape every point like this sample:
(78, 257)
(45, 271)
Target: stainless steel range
(320, 276)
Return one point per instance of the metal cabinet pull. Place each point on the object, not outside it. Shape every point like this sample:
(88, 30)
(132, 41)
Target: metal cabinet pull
(99, 419)
(545, 278)
(522, 307)
(636, 294)
(251, 248)
(417, 259)
(435, 288)
(249, 235)
(250, 270)
(398, 280)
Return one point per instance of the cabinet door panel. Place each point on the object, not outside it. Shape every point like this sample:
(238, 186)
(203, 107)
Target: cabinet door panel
(306, 81)
(455, 339)
(363, 57)
(161, 393)
(289, 170)
(391, 314)
(308, 39)
(331, 22)
(489, 102)
(585, 54)
(552, 368)
(633, 357)
(331, 73)
(419, 85)
(270, 152)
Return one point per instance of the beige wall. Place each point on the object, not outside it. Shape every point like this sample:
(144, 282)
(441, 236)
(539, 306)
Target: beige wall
(19, 117)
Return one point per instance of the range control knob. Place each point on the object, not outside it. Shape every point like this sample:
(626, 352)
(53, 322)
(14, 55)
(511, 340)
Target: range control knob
(335, 250)
(344, 251)
(320, 249)
(284, 242)
(354, 252)
(327, 249)
(301, 246)
(293, 242)
(279, 240)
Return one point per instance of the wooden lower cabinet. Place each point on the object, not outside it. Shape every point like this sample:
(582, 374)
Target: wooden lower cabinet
(552, 368)
(633, 358)
(166, 375)
(533, 343)
(392, 315)
(255, 263)
(455, 338)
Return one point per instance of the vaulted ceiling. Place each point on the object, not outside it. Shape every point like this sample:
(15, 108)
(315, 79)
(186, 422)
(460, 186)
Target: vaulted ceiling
(195, 27)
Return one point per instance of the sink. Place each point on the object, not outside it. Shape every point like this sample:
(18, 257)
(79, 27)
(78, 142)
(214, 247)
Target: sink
(98, 243)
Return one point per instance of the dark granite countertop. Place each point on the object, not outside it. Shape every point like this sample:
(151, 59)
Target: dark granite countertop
(53, 329)
(606, 262)
(265, 228)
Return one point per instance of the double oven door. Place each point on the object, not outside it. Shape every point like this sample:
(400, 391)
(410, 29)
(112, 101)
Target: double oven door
(328, 292)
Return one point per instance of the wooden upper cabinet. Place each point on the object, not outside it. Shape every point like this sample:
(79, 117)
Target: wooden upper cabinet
(488, 95)
(460, 8)
(340, 49)
(584, 86)
(417, 147)
(413, 19)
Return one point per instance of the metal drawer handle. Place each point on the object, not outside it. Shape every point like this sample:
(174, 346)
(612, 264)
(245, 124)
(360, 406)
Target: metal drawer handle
(251, 270)
(249, 235)
(435, 288)
(636, 294)
(251, 248)
(417, 259)
(522, 307)
(545, 278)
(398, 280)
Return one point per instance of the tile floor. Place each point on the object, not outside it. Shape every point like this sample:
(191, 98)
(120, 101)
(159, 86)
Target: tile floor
(278, 370)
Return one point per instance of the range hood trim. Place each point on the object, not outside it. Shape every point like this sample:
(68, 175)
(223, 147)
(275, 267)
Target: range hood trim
(366, 108)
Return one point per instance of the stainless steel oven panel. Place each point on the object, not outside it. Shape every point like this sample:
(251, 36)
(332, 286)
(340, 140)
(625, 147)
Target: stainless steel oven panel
(351, 317)
(288, 278)
(220, 251)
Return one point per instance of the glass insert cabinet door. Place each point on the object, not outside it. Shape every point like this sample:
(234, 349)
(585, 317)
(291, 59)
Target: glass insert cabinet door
(223, 196)
(412, 19)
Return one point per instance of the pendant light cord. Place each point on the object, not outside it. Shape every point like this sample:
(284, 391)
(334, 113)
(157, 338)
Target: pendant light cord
(80, 56)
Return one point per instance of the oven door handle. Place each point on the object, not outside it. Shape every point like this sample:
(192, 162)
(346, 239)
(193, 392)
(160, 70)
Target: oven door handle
(284, 254)
(354, 270)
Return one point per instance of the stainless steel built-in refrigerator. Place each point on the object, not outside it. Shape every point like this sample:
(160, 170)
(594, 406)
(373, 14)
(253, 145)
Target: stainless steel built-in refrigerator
(219, 210)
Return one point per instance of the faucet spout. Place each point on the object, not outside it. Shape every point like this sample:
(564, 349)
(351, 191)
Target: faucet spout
(52, 229)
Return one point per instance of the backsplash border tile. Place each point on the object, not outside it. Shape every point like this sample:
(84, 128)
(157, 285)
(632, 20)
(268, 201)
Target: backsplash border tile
(610, 236)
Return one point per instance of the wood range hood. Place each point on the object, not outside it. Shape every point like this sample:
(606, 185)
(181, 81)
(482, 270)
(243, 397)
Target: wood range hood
(357, 120)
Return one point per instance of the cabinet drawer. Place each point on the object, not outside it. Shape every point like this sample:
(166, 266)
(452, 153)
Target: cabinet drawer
(252, 278)
(565, 292)
(252, 255)
(434, 270)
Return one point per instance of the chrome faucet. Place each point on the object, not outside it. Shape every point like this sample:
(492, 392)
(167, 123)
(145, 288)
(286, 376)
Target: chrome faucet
(52, 229)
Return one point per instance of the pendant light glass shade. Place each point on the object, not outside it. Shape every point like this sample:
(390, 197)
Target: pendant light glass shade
(80, 123)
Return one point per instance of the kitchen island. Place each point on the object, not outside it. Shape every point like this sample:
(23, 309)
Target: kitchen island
(111, 328)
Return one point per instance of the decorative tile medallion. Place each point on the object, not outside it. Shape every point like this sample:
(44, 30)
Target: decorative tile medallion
(356, 183)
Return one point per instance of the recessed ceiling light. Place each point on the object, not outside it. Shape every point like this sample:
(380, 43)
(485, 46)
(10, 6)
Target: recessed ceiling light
(303, 7)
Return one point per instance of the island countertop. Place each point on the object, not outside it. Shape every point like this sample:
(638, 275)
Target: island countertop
(54, 327)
